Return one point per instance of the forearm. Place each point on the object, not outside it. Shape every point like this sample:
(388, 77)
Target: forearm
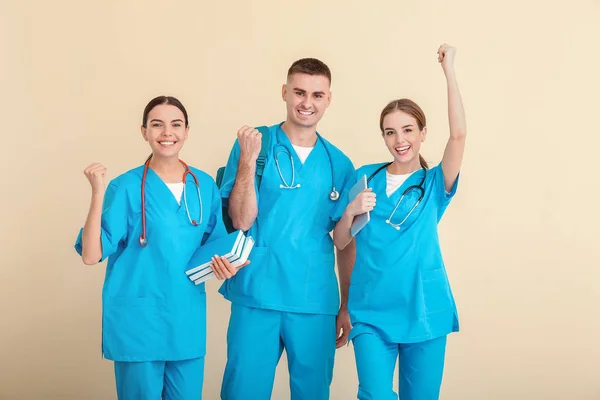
(91, 242)
(243, 206)
(456, 112)
(341, 232)
(346, 259)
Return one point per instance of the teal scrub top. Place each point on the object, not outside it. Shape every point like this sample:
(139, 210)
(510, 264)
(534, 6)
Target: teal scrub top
(292, 264)
(399, 289)
(151, 311)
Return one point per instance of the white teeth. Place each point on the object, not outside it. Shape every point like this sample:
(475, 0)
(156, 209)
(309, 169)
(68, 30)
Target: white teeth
(167, 143)
(306, 112)
(402, 148)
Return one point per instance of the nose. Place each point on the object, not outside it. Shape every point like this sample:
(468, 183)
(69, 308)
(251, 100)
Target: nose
(306, 102)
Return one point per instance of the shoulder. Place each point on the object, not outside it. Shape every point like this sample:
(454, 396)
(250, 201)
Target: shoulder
(337, 155)
(128, 180)
(434, 171)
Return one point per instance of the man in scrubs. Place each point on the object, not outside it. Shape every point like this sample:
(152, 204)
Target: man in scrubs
(288, 297)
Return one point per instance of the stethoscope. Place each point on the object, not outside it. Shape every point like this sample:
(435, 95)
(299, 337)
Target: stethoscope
(334, 195)
(143, 237)
(418, 188)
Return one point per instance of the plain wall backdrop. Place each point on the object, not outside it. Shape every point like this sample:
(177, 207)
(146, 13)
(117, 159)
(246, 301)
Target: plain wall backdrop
(519, 240)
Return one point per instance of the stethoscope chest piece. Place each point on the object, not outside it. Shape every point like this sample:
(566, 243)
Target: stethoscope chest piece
(334, 195)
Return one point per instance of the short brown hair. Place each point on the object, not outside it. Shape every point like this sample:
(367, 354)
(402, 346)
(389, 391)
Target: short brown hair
(310, 66)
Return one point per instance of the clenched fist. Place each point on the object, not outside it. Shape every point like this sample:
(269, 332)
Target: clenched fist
(250, 141)
(95, 173)
(446, 55)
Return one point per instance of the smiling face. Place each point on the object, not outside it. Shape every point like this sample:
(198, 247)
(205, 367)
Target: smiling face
(165, 130)
(403, 137)
(306, 97)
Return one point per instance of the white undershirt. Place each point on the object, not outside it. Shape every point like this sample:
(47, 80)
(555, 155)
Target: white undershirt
(302, 152)
(395, 181)
(177, 190)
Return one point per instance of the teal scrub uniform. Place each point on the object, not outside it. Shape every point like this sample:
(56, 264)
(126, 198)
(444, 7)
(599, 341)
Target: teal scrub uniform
(287, 297)
(153, 316)
(400, 301)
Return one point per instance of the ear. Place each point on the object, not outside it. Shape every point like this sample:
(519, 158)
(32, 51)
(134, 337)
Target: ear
(283, 91)
(143, 129)
(423, 134)
(187, 131)
(329, 97)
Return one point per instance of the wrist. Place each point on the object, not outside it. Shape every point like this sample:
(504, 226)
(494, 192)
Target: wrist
(98, 193)
(349, 213)
(450, 74)
(247, 161)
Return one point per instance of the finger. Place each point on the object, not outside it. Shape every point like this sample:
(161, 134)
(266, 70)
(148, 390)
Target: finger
(216, 267)
(242, 130)
(343, 338)
(98, 172)
(216, 271)
(244, 264)
(224, 270)
(230, 269)
(248, 131)
(89, 167)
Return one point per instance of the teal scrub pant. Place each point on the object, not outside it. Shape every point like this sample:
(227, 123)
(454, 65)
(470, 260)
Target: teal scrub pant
(155, 380)
(421, 368)
(256, 339)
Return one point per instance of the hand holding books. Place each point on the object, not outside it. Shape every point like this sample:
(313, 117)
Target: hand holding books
(221, 258)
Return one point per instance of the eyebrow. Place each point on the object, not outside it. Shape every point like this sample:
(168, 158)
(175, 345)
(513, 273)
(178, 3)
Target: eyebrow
(158, 120)
(405, 126)
(304, 91)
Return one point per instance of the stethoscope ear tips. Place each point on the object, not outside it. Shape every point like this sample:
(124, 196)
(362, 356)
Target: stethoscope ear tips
(194, 222)
(143, 241)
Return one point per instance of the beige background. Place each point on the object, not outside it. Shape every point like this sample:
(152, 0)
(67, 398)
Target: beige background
(520, 239)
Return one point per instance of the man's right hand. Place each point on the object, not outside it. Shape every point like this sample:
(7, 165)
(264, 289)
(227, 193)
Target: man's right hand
(250, 141)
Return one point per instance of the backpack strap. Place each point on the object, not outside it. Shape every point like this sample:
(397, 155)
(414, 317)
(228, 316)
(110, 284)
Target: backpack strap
(264, 151)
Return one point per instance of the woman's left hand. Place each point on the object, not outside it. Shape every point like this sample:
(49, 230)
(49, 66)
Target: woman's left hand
(223, 268)
(446, 55)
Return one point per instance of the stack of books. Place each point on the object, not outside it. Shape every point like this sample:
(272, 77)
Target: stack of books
(236, 247)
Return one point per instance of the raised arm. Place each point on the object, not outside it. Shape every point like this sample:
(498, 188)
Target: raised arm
(453, 154)
(243, 205)
(91, 243)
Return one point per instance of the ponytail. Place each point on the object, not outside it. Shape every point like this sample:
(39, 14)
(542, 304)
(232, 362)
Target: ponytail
(423, 162)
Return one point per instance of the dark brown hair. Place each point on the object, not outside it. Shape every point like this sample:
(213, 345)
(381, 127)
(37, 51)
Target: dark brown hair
(411, 108)
(160, 100)
(310, 66)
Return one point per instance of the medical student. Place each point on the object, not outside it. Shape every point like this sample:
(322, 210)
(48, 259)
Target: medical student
(400, 301)
(148, 222)
(288, 298)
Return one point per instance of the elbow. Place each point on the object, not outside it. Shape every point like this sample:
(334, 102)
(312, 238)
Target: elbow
(240, 222)
(338, 243)
(241, 225)
(90, 259)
